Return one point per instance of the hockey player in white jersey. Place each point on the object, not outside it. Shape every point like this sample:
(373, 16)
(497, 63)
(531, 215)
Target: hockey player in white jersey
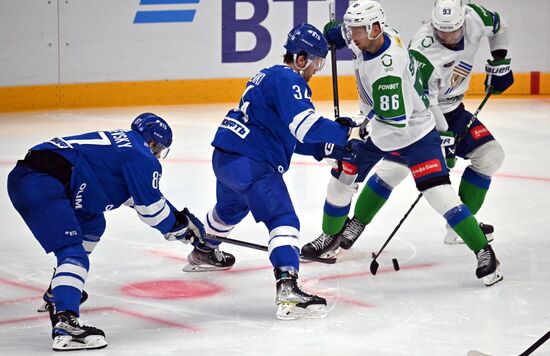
(445, 49)
(252, 149)
(62, 188)
(402, 130)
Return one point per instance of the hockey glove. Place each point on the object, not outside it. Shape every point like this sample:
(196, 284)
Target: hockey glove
(347, 153)
(333, 34)
(499, 75)
(188, 228)
(346, 121)
(449, 147)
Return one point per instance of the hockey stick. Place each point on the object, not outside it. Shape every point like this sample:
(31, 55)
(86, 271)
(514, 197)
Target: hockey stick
(374, 264)
(536, 345)
(332, 16)
(527, 352)
(473, 118)
(254, 246)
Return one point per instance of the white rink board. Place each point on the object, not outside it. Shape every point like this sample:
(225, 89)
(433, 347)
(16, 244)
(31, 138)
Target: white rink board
(99, 41)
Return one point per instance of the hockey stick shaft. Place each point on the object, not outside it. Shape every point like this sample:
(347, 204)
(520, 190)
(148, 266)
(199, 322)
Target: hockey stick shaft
(474, 116)
(332, 16)
(399, 224)
(264, 248)
(536, 345)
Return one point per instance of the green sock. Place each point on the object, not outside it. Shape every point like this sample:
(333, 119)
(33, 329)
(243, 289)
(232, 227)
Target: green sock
(368, 204)
(333, 224)
(468, 229)
(473, 189)
(472, 196)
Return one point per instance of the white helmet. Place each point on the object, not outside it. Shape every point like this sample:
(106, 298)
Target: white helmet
(365, 13)
(448, 15)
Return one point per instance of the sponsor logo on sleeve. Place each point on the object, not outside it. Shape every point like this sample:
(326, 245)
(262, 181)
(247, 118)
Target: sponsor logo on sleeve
(423, 169)
(479, 131)
(349, 168)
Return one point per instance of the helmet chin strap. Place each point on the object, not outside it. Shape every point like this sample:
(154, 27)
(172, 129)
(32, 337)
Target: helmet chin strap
(301, 70)
(374, 38)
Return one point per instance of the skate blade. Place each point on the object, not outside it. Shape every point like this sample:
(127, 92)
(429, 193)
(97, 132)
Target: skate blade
(203, 268)
(286, 311)
(330, 255)
(455, 240)
(44, 307)
(67, 343)
(493, 278)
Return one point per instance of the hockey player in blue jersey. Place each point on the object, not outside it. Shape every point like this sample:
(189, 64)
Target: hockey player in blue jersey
(61, 189)
(253, 148)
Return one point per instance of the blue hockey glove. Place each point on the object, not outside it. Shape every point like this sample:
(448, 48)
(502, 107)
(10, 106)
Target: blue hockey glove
(346, 121)
(449, 147)
(347, 153)
(333, 34)
(188, 228)
(499, 75)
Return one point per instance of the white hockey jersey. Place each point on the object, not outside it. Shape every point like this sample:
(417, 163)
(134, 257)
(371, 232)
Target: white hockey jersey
(391, 94)
(447, 72)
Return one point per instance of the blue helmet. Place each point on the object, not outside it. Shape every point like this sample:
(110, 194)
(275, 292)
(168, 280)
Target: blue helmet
(153, 128)
(306, 38)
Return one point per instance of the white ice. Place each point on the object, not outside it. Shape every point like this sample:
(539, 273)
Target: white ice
(433, 306)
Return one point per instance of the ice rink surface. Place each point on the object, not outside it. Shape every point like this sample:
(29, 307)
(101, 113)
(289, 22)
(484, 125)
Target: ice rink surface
(433, 306)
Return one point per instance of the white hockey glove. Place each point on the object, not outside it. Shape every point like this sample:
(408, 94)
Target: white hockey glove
(360, 132)
(188, 228)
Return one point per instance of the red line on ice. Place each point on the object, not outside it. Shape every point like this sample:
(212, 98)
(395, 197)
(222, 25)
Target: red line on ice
(380, 271)
(21, 300)
(113, 310)
(21, 285)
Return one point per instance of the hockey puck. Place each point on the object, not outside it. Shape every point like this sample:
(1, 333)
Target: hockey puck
(395, 264)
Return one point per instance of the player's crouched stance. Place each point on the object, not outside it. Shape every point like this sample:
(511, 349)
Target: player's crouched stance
(61, 189)
(252, 150)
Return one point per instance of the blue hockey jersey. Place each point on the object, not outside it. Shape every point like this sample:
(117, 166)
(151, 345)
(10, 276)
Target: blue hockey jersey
(111, 168)
(276, 118)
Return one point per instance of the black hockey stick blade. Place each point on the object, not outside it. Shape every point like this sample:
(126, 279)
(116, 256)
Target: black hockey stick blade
(374, 267)
(254, 246)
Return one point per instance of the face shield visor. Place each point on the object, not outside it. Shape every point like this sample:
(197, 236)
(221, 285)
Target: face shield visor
(449, 38)
(159, 150)
(316, 62)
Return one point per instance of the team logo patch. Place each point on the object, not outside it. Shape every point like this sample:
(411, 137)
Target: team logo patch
(479, 131)
(460, 72)
(423, 169)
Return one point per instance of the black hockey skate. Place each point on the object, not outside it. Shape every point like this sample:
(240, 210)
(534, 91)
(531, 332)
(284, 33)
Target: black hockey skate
(204, 259)
(69, 335)
(325, 246)
(487, 266)
(452, 238)
(294, 303)
(353, 229)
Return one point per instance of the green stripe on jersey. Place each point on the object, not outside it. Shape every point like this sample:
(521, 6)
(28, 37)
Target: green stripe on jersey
(420, 81)
(487, 17)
